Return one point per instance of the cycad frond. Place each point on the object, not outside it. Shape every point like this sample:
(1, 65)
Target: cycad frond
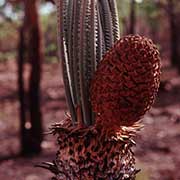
(115, 20)
(87, 55)
(86, 32)
(69, 41)
(100, 42)
(63, 53)
(75, 43)
(107, 24)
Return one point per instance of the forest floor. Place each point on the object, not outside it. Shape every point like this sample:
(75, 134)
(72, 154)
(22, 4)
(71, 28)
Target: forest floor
(158, 144)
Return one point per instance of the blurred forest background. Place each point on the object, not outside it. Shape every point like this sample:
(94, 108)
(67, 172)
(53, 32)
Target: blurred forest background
(32, 93)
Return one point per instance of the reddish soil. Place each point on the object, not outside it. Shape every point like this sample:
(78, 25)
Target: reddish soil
(157, 150)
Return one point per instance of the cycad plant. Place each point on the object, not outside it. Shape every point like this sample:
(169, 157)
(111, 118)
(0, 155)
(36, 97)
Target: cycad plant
(110, 83)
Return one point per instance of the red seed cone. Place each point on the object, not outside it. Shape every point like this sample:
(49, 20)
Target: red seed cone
(126, 82)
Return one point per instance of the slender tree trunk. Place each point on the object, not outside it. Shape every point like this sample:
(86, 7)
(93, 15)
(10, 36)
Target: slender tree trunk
(132, 17)
(30, 42)
(35, 56)
(24, 133)
(174, 34)
(34, 88)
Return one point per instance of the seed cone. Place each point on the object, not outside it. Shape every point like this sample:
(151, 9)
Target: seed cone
(126, 81)
(89, 154)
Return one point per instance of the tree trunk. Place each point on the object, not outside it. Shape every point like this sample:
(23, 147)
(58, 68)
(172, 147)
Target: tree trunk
(132, 17)
(173, 34)
(30, 36)
(35, 56)
(24, 133)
